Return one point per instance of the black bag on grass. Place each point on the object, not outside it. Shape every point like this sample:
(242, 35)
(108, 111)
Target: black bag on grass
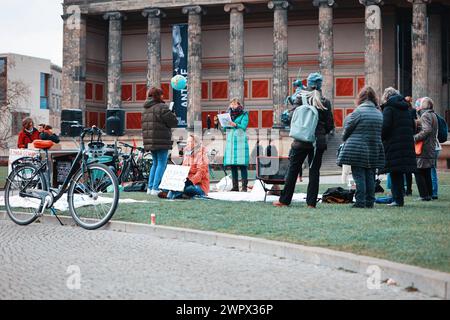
(338, 195)
(135, 187)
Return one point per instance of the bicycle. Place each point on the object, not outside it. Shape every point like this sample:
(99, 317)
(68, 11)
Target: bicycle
(134, 167)
(29, 183)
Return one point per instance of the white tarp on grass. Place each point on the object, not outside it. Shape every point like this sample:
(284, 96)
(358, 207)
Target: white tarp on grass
(256, 195)
(62, 204)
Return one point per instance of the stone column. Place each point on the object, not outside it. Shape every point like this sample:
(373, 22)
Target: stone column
(236, 77)
(154, 46)
(326, 46)
(74, 61)
(419, 48)
(280, 59)
(372, 55)
(194, 64)
(114, 59)
(435, 63)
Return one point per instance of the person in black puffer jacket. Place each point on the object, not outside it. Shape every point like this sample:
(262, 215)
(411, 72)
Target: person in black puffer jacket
(398, 140)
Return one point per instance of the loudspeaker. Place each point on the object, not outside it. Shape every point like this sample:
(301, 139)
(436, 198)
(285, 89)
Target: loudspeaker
(115, 122)
(70, 117)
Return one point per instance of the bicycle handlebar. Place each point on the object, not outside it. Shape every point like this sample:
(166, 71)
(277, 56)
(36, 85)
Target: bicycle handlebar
(132, 147)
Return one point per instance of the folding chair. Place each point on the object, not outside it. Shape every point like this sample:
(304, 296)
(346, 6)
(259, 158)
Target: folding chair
(271, 170)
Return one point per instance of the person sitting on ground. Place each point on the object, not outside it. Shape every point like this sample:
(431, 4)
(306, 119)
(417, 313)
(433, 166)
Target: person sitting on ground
(28, 134)
(197, 182)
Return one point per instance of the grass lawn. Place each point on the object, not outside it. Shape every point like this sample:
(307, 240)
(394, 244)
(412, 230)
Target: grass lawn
(417, 234)
(3, 176)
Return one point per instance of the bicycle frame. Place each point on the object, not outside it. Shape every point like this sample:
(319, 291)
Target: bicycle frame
(79, 162)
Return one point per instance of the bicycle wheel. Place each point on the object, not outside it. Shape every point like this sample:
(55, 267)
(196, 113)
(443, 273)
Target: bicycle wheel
(21, 209)
(93, 196)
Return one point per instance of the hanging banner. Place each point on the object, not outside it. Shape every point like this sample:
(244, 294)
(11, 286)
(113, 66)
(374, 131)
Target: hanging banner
(180, 63)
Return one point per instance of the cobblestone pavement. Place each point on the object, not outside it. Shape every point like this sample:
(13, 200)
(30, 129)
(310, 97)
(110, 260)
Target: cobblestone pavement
(35, 260)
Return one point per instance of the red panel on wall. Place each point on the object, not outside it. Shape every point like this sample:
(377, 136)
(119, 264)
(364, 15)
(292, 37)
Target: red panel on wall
(127, 92)
(361, 84)
(219, 90)
(205, 90)
(89, 91)
(99, 92)
(166, 90)
(345, 87)
(267, 119)
(348, 111)
(92, 119)
(134, 120)
(102, 120)
(246, 95)
(205, 117)
(260, 89)
(141, 92)
(253, 119)
(338, 117)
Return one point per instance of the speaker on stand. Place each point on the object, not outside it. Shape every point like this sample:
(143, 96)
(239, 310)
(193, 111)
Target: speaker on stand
(69, 118)
(115, 122)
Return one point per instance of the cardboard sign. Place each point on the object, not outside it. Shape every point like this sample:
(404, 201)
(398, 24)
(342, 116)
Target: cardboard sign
(174, 178)
(15, 154)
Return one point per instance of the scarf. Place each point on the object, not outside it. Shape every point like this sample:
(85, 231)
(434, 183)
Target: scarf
(234, 113)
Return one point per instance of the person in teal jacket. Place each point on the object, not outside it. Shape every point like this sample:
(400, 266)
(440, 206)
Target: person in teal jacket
(237, 149)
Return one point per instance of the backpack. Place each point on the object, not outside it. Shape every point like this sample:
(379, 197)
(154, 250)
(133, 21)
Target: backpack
(338, 195)
(135, 187)
(442, 129)
(304, 122)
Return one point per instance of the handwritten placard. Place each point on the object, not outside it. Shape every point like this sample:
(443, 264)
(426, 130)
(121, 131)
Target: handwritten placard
(174, 178)
(15, 154)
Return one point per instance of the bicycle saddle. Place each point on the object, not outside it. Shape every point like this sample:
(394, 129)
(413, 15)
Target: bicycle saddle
(43, 144)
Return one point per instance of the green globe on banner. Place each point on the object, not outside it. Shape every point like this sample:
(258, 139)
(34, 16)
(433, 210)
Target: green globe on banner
(178, 82)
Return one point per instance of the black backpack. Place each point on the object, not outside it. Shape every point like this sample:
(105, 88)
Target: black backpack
(338, 195)
(442, 129)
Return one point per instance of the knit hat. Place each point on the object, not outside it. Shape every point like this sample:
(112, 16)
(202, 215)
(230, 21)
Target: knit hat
(418, 104)
(315, 80)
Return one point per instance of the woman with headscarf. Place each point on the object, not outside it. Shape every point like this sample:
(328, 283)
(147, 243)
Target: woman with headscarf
(426, 136)
(301, 150)
(237, 149)
(398, 141)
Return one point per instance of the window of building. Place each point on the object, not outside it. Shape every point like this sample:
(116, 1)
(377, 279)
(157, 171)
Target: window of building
(44, 91)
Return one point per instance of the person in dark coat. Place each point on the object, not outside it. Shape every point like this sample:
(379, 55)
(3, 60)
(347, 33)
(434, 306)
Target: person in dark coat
(408, 176)
(157, 123)
(398, 141)
(301, 150)
(363, 149)
(426, 132)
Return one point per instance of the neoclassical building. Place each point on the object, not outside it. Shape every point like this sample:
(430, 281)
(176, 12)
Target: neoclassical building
(253, 50)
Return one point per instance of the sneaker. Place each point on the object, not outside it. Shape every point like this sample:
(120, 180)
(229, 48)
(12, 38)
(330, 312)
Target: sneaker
(434, 197)
(162, 195)
(394, 204)
(154, 192)
(149, 192)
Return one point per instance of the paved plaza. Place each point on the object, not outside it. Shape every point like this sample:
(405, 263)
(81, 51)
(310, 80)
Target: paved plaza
(52, 262)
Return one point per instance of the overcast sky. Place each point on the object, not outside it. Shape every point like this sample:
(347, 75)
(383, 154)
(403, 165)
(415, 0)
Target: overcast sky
(32, 27)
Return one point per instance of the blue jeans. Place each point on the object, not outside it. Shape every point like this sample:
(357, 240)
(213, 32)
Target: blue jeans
(365, 186)
(434, 176)
(190, 191)
(158, 167)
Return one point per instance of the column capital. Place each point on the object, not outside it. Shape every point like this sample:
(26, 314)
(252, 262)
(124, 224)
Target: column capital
(328, 3)
(419, 1)
(371, 2)
(279, 4)
(114, 15)
(153, 13)
(234, 7)
(193, 10)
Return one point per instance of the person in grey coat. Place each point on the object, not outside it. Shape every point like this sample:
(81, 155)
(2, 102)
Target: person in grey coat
(363, 149)
(427, 133)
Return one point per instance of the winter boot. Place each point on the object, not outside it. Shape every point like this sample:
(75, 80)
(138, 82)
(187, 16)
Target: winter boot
(244, 185)
(235, 185)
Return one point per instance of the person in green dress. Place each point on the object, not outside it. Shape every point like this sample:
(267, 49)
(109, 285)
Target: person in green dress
(237, 149)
